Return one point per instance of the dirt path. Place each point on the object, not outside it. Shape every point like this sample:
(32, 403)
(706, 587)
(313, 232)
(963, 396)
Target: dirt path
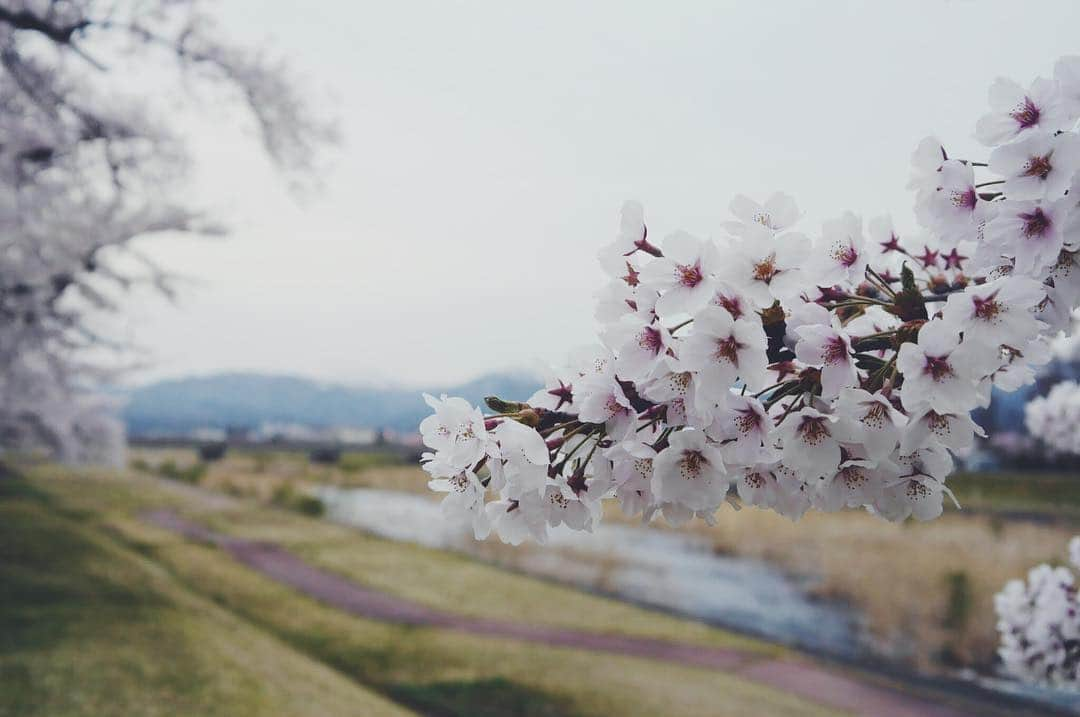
(813, 683)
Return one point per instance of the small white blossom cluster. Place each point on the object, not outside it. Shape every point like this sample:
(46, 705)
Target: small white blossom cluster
(1054, 418)
(791, 372)
(1039, 622)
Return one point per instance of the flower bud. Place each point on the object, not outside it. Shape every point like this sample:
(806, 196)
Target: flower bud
(909, 304)
(939, 284)
(868, 290)
(500, 406)
(527, 417)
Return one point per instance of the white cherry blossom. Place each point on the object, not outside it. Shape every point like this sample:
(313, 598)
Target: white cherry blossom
(1039, 624)
(828, 347)
(1040, 165)
(840, 256)
(869, 420)
(997, 312)
(767, 268)
(935, 371)
(456, 431)
(1016, 112)
(811, 448)
(1032, 233)
(690, 472)
(779, 212)
(685, 274)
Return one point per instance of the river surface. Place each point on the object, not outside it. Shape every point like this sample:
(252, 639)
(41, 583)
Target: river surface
(665, 569)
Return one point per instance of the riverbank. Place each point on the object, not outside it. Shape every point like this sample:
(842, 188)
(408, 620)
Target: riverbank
(923, 592)
(428, 669)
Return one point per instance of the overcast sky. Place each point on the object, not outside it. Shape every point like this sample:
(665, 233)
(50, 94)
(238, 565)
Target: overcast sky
(488, 147)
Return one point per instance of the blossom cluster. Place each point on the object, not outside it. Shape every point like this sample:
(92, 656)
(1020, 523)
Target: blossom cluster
(793, 372)
(1055, 418)
(1039, 623)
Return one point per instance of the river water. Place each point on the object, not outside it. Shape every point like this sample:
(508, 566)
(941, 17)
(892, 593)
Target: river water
(665, 569)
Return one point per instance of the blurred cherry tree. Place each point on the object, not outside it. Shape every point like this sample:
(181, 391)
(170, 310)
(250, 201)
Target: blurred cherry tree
(89, 164)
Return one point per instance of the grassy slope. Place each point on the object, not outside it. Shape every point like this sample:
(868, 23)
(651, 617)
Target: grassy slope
(436, 671)
(88, 627)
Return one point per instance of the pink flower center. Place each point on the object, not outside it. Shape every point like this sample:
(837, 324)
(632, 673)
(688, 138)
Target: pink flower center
(613, 406)
(765, 269)
(733, 304)
(812, 430)
(836, 352)
(987, 309)
(650, 340)
(938, 368)
(747, 420)
(843, 252)
(727, 349)
(692, 464)
(1036, 223)
(937, 424)
(875, 416)
(964, 199)
(1026, 114)
(689, 275)
(1038, 166)
(854, 477)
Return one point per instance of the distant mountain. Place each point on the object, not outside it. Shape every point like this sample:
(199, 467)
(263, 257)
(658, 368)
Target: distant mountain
(249, 400)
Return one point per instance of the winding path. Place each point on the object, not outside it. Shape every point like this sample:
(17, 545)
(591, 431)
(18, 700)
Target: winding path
(815, 684)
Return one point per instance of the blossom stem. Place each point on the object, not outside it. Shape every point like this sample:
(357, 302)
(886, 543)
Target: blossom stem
(881, 283)
(564, 426)
(787, 390)
(850, 303)
(653, 422)
(789, 409)
(877, 379)
(592, 450)
(678, 326)
(574, 450)
(769, 388)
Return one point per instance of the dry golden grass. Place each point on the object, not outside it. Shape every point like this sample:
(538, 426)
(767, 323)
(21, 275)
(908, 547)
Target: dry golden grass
(903, 578)
(257, 474)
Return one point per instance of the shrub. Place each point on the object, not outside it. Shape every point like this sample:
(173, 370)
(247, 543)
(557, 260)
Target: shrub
(210, 452)
(192, 474)
(285, 496)
(325, 455)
